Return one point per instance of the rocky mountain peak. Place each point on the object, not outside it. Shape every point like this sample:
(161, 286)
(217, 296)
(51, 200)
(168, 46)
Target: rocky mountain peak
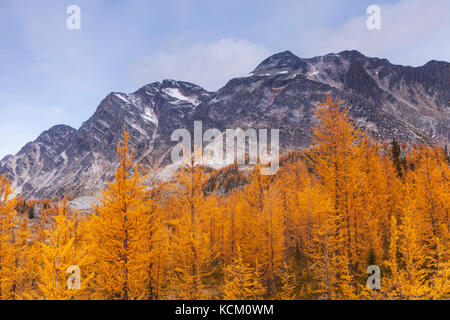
(352, 54)
(54, 138)
(60, 130)
(386, 100)
(283, 61)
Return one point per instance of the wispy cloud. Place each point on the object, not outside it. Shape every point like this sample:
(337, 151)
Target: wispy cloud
(209, 65)
(412, 33)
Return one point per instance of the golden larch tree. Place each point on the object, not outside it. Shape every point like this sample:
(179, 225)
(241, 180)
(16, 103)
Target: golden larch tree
(62, 251)
(118, 231)
(190, 250)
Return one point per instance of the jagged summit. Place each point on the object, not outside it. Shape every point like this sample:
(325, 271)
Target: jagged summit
(439, 63)
(62, 131)
(283, 61)
(352, 54)
(386, 100)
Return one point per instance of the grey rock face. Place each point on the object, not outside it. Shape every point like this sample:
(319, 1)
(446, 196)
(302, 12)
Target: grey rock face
(386, 100)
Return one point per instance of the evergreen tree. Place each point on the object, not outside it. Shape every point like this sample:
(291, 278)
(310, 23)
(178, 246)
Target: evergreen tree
(396, 157)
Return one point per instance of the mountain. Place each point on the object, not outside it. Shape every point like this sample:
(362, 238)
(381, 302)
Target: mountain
(387, 100)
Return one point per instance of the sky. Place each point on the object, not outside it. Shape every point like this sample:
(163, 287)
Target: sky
(51, 75)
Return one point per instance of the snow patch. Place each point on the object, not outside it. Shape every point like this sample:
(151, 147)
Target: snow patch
(64, 156)
(103, 123)
(149, 115)
(122, 98)
(176, 93)
(135, 126)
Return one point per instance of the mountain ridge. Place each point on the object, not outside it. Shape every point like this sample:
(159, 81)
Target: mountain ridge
(387, 100)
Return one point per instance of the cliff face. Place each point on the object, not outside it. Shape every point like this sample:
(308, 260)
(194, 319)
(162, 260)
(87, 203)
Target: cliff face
(412, 104)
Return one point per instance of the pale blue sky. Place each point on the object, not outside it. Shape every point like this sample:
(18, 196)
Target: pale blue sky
(51, 75)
